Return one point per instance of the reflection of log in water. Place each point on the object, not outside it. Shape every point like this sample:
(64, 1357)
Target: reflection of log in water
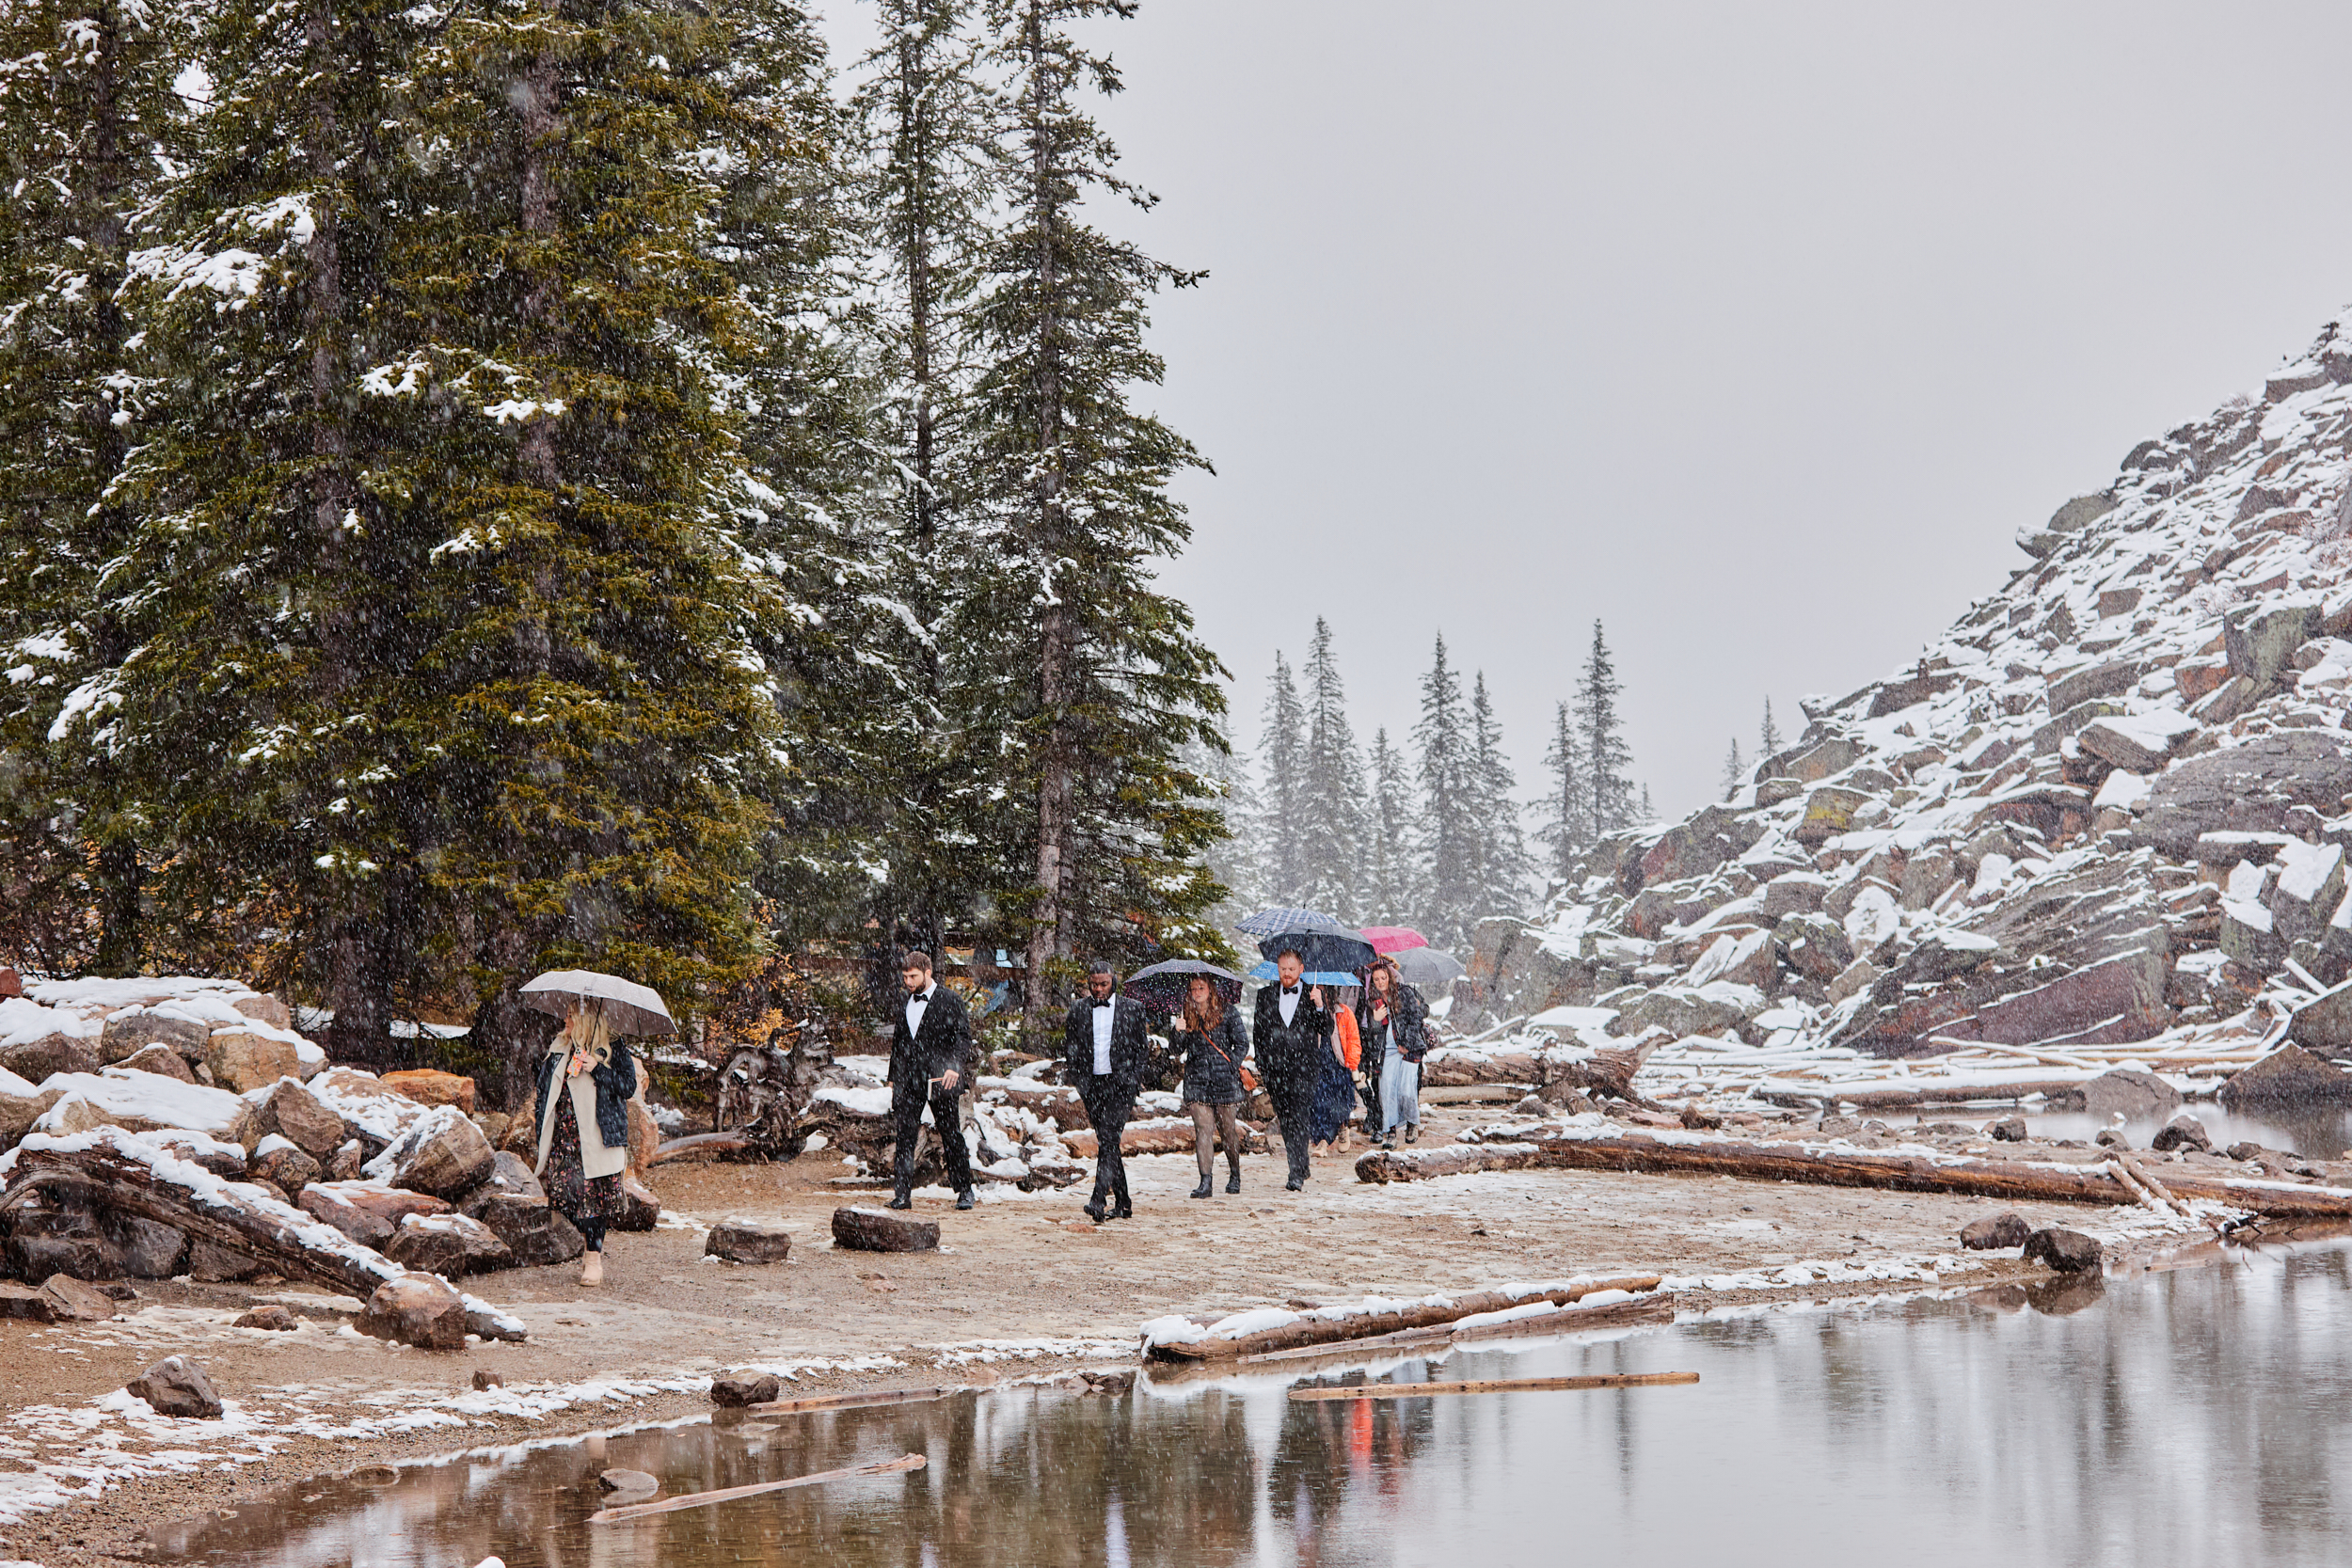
(731, 1493)
(1494, 1385)
(1432, 1312)
(851, 1401)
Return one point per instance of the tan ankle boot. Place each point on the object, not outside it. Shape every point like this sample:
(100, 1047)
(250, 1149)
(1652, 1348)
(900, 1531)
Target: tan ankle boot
(591, 1269)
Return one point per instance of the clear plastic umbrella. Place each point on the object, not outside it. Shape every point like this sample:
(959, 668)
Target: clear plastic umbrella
(629, 1009)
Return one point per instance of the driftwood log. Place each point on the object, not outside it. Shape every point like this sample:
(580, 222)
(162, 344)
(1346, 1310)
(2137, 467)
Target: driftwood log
(1830, 1095)
(702, 1146)
(256, 1227)
(1312, 1330)
(2011, 1181)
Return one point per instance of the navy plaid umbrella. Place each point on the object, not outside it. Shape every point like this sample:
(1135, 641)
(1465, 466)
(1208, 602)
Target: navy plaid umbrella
(1322, 942)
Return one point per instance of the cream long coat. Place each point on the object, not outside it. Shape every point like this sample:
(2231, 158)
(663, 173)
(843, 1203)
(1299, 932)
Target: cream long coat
(595, 1159)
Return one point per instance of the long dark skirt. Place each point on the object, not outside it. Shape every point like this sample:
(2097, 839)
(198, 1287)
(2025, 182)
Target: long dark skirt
(587, 1201)
(1335, 1098)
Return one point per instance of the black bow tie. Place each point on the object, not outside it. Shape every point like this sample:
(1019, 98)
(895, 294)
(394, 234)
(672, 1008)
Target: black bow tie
(1104, 1003)
(1290, 990)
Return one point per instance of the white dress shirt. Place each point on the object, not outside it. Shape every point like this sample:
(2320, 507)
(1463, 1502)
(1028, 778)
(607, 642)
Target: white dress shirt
(1287, 1004)
(1105, 1013)
(916, 1006)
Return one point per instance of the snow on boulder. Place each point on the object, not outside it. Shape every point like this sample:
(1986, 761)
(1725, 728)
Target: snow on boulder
(2142, 742)
(1745, 960)
(145, 1102)
(372, 1113)
(442, 1152)
(2309, 886)
(2123, 791)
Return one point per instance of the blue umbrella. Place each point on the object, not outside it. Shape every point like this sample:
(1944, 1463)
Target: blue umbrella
(1321, 941)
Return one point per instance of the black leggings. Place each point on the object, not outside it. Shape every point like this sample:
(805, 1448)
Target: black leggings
(590, 1231)
(1209, 1123)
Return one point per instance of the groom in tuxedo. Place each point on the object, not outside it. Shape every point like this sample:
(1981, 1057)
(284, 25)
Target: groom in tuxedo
(930, 1060)
(1292, 1032)
(1102, 1057)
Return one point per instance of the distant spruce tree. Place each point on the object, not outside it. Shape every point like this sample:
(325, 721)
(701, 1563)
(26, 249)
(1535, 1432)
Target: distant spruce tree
(1565, 822)
(1502, 863)
(1392, 875)
(90, 132)
(1278, 824)
(1768, 741)
(1104, 679)
(1735, 770)
(1609, 793)
(1650, 813)
(1450, 829)
(1331, 813)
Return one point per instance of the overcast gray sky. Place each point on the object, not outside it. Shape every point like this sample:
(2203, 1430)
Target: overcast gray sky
(1756, 331)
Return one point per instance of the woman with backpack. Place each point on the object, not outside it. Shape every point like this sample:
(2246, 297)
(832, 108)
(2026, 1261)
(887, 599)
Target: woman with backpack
(1392, 1020)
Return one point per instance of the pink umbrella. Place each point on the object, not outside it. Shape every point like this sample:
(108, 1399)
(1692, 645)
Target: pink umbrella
(1394, 939)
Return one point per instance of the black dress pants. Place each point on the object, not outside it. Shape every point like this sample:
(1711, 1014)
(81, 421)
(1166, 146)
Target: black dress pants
(906, 1115)
(1293, 1106)
(1109, 1104)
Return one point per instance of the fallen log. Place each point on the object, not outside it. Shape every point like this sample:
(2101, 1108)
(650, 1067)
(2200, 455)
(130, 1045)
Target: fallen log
(1180, 1339)
(701, 1145)
(1649, 1307)
(851, 1401)
(1494, 1385)
(730, 1494)
(108, 1168)
(1841, 1166)
(1906, 1099)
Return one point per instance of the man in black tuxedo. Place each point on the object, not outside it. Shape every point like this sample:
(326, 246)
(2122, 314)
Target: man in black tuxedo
(1293, 1034)
(930, 1058)
(1103, 1055)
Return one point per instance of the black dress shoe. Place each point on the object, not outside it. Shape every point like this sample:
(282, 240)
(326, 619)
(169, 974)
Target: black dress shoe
(1094, 1212)
(1205, 1188)
(902, 1201)
(1122, 1210)
(964, 1199)
(1295, 1184)
(1232, 1183)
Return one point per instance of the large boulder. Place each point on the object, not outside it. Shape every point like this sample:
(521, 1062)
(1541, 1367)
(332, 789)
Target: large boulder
(161, 1059)
(2120, 1000)
(1698, 845)
(427, 1086)
(1996, 1233)
(130, 1029)
(2324, 1025)
(442, 1152)
(2288, 1076)
(1685, 1010)
(367, 1211)
(415, 1308)
(372, 1113)
(2065, 1251)
(18, 1112)
(2078, 687)
(147, 1102)
(2252, 786)
(1828, 812)
(2140, 742)
(243, 1059)
(177, 1386)
(293, 1111)
(864, 1229)
(2309, 888)
(43, 1055)
(1815, 946)
(2127, 1092)
(533, 1233)
(2261, 639)
(1793, 893)
(450, 1246)
(280, 1161)
(1743, 959)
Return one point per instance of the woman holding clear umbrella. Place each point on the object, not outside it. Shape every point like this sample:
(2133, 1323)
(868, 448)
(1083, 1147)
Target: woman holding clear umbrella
(585, 1082)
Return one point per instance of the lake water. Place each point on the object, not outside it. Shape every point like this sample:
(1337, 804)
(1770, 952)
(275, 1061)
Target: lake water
(2202, 1415)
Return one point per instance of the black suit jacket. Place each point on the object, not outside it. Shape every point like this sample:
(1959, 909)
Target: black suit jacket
(1295, 1056)
(1128, 1047)
(946, 1041)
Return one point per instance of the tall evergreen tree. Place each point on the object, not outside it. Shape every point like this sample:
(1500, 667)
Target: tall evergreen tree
(1608, 792)
(1331, 828)
(1768, 742)
(1111, 680)
(1503, 865)
(1390, 874)
(90, 129)
(1566, 822)
(1735, 770)
(1451, 827)
(1282, 797)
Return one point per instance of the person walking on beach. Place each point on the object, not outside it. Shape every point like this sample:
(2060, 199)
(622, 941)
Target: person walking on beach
(1394, 1021)
(931, 1055)
(1215, 1043)
(1293, 1034)
(584, 1085)
(1102, 1057)
(1335, 1102)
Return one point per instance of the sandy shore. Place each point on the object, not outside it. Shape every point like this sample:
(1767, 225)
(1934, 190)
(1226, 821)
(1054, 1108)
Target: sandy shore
(1022, 1285)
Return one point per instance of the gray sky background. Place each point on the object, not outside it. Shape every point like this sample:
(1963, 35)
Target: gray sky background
(1754, 330)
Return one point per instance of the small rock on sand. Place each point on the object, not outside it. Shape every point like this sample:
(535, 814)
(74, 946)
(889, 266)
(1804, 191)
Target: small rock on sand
(734, 1393)
(1995, 1232)
(2066, 1251)
(2182, 1132)
(2008, 1129)
(177, 1387)
(273, 1318)
(864, 1229)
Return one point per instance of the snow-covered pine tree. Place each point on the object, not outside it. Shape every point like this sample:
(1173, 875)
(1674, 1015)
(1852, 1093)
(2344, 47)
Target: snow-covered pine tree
(90, 132)
(1609, 793)
(1105, 677)
(1503, 865)
(1331, 825)
(926, 175)
(1391, 874)
(1282, 756)
(1450, 826)
(1768, 742)
(1735, 770)
(1565, 822)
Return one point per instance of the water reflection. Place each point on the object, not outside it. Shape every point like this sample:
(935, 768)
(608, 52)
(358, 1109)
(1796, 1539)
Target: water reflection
(2314, 1132)
(2194, 1416)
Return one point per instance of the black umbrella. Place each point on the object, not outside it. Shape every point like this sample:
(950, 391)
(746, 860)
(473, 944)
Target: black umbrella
(1162, 987)
(1320, 942)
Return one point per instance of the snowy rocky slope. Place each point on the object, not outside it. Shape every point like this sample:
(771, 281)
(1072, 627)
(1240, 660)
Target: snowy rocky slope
(2105, 815)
